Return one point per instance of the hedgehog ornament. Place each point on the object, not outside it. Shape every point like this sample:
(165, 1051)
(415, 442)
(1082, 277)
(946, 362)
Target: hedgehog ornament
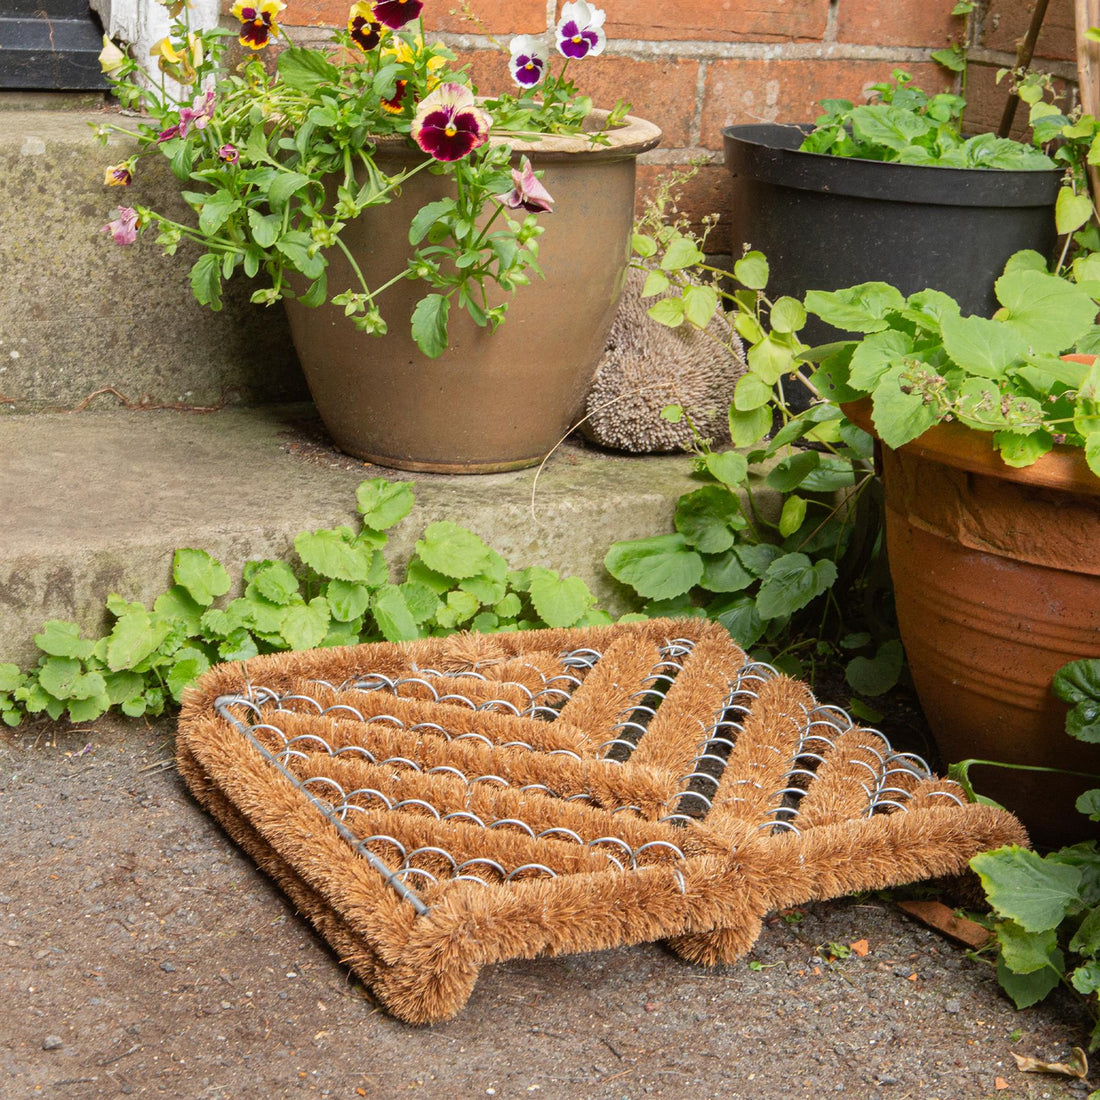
(647, 366)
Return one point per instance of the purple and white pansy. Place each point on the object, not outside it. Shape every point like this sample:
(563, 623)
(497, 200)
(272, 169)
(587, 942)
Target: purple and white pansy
(580, 30)
(528, 62)
(448, 123)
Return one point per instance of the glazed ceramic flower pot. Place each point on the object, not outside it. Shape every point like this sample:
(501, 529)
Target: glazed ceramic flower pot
(996, 575)
(493, 400)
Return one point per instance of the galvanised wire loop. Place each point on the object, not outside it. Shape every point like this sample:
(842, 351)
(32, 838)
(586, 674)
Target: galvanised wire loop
(298, 699)
(473, 737)
(405, 803)
(515, 823)
(405, 871)
(659, 844)
(400, 761)
(355, 750)
(619, 843)
(304, 737)
(947, 794)
(384, 838)
(560, 830)
(541, 868)
(464, 815)
(431, 850)
(482, 861)
(344, 707)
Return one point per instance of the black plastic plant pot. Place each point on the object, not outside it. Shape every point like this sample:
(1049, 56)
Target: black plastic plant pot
(828, 222)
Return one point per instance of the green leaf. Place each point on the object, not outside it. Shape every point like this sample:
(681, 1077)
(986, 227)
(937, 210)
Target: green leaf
(265, 227)
(384, 503)
(878, 674)
(276, 582)
(725, 573)
(201, 575)
(668, 312)
(887, 125)
(752, 392)
(752, 271)
(1086, 979)
(1089, 803)
(178, 604)
(792, 515)
(899, 417)
(770, 359)
(10, 677)
(787, 315)
(216, 211)
(728, 467)
(875, 354)
(792, 582)
(334, 553)
(427, 216)
(306, 70)
(560, 602)
(681, 252)
(1076, 682)
(1071, 211)
(789, 472)
(708, 517)
(454, 551)
(1050, 313)
(189, 664)
(62, 639)
(750, 426)
(347, 600)
(656, 282)
(429, 324)
(304, 626)
(392, 614)
(135, 637)
(741, 619)
(1024, 887)
(862, 308)
(60, 676)
(983, 347)
(283, 186)
(1029, 989)
(206, 281)
(643, 245)
(1086, 940)
(700, 304)
(658, 568)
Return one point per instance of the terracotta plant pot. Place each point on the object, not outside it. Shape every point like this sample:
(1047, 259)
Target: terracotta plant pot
(996, 576)
(494, 400)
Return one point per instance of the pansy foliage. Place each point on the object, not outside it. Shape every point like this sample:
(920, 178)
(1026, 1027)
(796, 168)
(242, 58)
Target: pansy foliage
(277, 155)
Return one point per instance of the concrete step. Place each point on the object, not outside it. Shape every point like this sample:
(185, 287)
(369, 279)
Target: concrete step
(79, 313)
(97, 502)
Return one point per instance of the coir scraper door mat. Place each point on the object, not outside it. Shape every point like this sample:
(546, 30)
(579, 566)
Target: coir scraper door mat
(438, 805)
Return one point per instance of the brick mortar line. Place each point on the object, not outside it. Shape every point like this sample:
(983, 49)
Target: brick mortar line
(728, 51)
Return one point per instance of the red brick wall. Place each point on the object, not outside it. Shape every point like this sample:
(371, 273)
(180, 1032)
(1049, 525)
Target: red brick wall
(694, 66)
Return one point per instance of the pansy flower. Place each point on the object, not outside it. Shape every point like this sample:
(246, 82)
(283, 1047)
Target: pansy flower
(198, 114)
(527, 191)
(111, 58)
(229, 154)
(396, 13)
(123, 229)
(365, 30)
(257, 22)
(448, 124)
(118, 175)
(528, 61)
(181, 63)
(580, 30)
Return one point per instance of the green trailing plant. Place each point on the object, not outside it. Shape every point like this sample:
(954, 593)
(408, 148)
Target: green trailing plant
(338, 591)
(905, 125)
(921, 362)
(1047, 907)
(787, 578)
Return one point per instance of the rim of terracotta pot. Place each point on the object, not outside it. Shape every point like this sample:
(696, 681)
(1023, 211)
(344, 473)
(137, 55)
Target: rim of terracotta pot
(634, 135)
(963, 448)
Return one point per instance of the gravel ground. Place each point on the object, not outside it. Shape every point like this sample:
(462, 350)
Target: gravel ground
(143, 954)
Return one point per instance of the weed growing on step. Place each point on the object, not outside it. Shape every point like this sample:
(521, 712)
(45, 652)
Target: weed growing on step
(338, 592)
